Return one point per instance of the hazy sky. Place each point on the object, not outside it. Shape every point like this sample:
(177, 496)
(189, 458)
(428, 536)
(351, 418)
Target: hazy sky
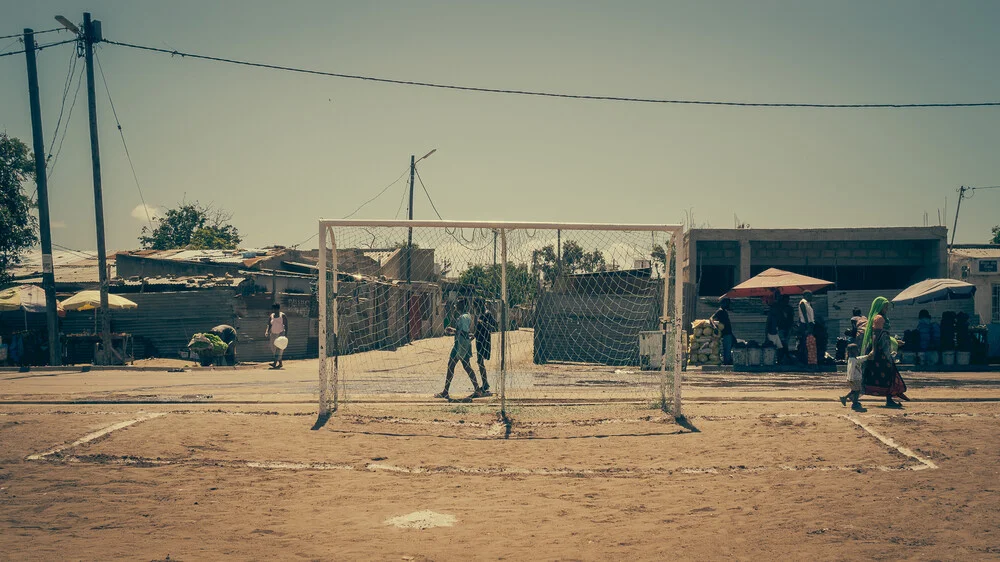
(280, 150)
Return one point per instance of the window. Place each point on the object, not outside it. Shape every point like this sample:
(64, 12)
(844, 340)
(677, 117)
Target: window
(996, 303)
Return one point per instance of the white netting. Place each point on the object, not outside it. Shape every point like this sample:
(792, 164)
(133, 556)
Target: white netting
(584, 313)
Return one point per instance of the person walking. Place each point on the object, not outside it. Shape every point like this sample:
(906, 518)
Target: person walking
(771, 328)
(277, 326)
(486, 324)
(857, 331)
(461, 350)
(228, 336)
(881, 377)
(807, 322)
(720, 321)
(854, 379)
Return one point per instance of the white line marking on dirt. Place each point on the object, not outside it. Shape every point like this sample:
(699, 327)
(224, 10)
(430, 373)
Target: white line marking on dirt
(95, 435)
(888, 441)
(130, 460)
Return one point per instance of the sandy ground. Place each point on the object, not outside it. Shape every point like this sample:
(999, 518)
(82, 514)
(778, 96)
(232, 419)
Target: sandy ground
(234, 464)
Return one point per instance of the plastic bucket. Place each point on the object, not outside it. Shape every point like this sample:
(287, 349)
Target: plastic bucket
(770, 355)
(932, 358)
(740, 357)
(963, 357)
(948, 358)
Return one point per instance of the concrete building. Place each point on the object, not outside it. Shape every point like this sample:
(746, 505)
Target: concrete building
(863, 263)
(977, 264)
(853, 258)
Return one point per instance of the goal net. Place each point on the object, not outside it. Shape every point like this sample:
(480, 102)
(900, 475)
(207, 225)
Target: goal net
(554, 314)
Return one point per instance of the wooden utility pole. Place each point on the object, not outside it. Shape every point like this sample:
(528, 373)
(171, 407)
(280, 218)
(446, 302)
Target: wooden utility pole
(92, 34)
(409, 235)
(44, 224)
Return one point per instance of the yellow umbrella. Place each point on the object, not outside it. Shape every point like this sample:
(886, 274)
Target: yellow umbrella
(28, 298)
(91, 300)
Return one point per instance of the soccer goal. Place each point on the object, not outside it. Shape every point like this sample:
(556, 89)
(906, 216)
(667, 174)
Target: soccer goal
(553, 313)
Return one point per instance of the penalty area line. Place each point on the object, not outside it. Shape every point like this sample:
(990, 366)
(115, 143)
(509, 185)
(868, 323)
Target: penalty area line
(889, 442)
(92, 436)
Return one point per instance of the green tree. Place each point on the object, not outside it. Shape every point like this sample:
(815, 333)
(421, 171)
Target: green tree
(573, 260)
(996, 235)
(191, 226)
(17, 225)
(521, 284)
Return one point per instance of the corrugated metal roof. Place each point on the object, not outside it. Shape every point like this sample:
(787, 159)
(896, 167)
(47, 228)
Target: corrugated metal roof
(978, 251)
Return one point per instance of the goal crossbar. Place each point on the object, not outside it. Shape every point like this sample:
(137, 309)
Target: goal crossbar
(328, 281)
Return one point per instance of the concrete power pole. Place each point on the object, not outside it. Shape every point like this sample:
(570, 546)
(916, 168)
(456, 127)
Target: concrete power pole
(44, 224)
(92, 34)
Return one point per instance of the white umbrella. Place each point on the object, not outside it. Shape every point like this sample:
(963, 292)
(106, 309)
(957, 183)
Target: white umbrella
(931, 290)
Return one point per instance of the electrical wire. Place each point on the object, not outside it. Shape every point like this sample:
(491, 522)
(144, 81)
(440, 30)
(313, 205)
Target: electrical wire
(384, 189)
(35, 32)
(67, 84)
(51, 164)
(39, 47)
(433, 206)
(121, 133)
(401, 200)
(556, 94)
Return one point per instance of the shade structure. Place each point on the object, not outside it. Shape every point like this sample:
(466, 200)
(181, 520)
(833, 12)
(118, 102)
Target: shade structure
(91, 300)
(765, 283)
(29, 298)
(930, 290)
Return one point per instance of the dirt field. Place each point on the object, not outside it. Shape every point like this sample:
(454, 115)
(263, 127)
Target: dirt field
(232, 463)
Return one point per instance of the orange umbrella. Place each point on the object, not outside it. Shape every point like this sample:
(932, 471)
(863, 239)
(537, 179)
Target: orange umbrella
(788, 283)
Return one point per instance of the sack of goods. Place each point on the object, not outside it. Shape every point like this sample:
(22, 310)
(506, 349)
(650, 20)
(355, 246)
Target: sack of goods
(704, 344)
(207, 344)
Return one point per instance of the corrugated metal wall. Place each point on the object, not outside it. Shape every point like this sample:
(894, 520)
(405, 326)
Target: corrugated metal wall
(600, 329)
(164, 322)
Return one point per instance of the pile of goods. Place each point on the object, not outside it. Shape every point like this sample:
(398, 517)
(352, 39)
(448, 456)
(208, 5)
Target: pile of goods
(208, 346)
(704, 343)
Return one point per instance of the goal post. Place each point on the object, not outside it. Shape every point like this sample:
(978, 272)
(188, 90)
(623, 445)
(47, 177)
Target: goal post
(561, 313)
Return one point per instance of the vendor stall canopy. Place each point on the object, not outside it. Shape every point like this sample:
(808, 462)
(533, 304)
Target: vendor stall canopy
(931, 290)
(765, 283)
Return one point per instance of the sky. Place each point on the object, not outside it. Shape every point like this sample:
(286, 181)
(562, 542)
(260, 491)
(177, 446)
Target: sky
(281, 150)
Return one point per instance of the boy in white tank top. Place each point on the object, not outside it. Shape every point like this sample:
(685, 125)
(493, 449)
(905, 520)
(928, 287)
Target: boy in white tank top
(277, 326)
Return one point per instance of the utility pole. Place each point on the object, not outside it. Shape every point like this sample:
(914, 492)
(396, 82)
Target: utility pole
(44, 225)
(92, 34)
(409, 236)
(409, 247)
(954, 230)
(495, 233)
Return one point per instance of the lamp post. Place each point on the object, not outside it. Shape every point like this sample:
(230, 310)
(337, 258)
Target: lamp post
(409, 240)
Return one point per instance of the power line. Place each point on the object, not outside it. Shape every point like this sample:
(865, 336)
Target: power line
(121, 133)
(39, 47)
(69, 117)
(433, 206)
(557, 94)
(384, 189)
(36, 33)
(67, 84)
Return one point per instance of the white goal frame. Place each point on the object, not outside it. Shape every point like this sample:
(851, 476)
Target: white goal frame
(329, 365)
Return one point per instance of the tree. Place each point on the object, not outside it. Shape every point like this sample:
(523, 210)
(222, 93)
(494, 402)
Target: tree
(191, 226)
(573, 260)
(521, 284)
(996, 235)
(17, 225)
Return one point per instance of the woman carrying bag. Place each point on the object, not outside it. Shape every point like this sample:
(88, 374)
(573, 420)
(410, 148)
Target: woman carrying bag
(881, 377)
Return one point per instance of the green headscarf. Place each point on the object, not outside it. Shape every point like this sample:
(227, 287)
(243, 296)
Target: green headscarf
(876, 309)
